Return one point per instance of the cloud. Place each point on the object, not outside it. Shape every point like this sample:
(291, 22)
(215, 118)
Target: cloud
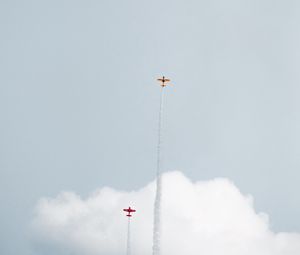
(206, 217)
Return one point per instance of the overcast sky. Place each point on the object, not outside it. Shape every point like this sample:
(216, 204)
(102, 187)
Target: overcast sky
(79, 101)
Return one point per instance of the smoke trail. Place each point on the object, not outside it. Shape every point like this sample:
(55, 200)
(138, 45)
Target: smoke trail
(157, 203)
(128, 237)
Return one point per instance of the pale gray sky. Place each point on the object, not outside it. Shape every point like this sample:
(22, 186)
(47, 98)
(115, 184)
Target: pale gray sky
(79, 100)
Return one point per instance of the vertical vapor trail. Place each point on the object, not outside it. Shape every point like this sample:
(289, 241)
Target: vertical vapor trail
(128, 237)
(157, 203)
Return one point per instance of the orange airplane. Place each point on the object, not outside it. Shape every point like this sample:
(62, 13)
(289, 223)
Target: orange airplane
(163, 81)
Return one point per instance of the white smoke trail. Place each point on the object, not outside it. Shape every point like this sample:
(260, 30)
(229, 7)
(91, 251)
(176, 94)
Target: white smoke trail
(157, 203)
(128, 237)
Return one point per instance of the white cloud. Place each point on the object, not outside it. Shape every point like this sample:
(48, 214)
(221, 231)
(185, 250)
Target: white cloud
(209, 217)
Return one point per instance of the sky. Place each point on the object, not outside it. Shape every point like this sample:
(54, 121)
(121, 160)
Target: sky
(79, 102)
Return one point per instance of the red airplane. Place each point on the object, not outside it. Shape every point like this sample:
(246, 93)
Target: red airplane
(163, 81)
(129, 210)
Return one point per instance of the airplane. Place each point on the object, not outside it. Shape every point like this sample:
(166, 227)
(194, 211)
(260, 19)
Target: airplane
(163, 81)
(129, 210)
